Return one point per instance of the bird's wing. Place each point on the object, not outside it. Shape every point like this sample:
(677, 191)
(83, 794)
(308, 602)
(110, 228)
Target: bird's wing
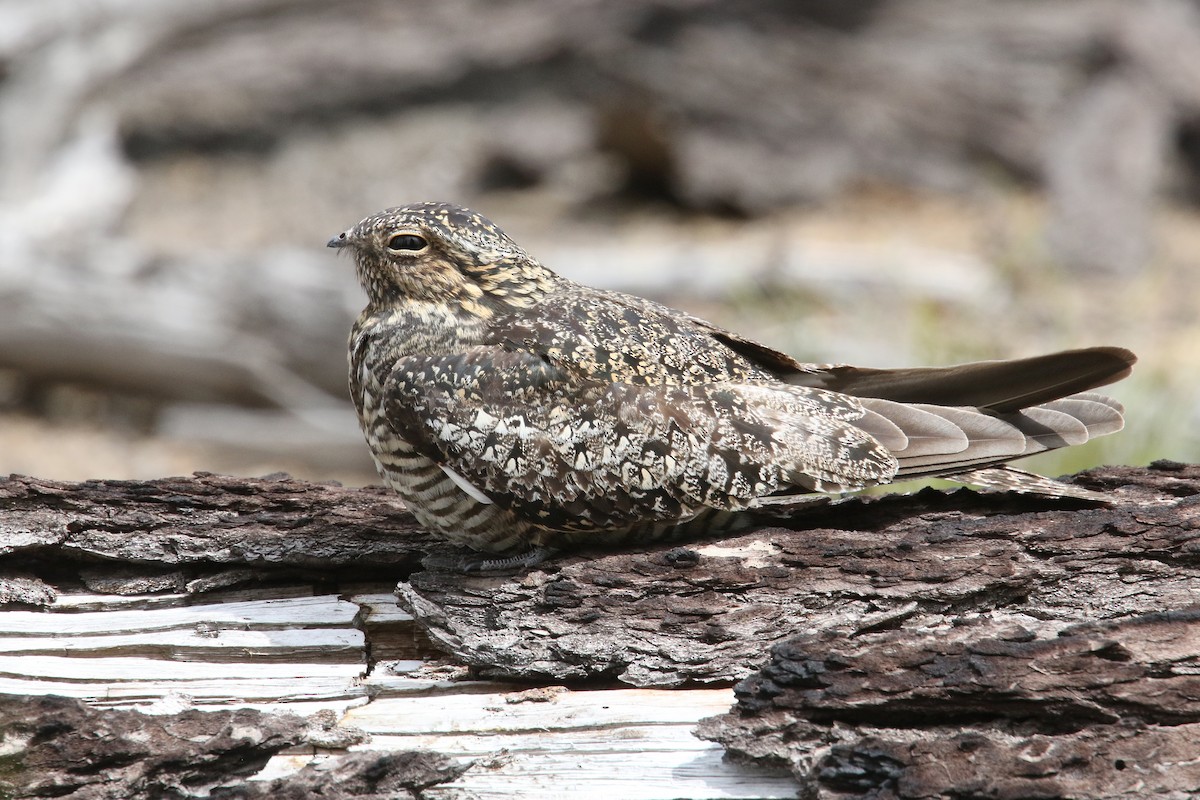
(997, 386)
(614, 337)
(569, 453)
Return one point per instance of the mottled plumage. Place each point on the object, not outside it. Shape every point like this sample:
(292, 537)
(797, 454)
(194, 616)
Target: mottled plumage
(514, 409)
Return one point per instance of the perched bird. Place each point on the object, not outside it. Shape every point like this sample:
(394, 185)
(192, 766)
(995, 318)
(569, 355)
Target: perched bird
(518, 412)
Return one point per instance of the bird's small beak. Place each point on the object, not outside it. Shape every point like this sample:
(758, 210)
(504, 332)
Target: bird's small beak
(341, 240)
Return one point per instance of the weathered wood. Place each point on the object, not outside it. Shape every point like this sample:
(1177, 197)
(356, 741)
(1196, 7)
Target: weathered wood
(615, 743)
(936, 645)
(1023, 708)
(52, 746)
(706, 612)
(178, 636)
(211, 520)
(285, 653)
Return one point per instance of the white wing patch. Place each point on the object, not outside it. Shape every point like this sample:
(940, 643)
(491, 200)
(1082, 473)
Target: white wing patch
(465, 485)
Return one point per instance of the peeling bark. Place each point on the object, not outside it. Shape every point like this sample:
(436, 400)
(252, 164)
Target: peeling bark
(165, 532)
(55, 747)
(668, 615)
(985, 709)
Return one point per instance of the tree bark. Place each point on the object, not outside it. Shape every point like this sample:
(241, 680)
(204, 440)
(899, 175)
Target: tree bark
(944, 644)
(209, 523)
(991, 708)
(66, 749)
(707, 612)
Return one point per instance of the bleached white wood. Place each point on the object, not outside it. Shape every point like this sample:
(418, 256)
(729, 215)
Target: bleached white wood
(283, 705)
(648, 774)
(237, 692)
(297, 612)
(91, 670)
(627, 743)
(500, 713)
(409, 677)
(634, 775)
(304, 654)
(381, 608)
(218, 645)
(116, 602)
(551, 743)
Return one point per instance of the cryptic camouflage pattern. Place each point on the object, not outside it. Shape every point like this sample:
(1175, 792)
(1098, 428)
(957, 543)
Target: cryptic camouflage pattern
(512, 408)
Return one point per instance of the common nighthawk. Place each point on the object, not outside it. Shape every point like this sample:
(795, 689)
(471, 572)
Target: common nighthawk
(516, 411)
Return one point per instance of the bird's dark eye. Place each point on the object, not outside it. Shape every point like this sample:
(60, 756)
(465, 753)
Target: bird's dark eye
(407, 241)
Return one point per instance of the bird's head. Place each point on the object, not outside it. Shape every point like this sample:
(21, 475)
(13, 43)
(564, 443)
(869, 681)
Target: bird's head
(442, 253)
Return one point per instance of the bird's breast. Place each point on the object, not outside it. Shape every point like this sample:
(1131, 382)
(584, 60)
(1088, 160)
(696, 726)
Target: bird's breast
(378, 342)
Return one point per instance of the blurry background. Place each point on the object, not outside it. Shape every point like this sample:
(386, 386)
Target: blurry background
(883, 182)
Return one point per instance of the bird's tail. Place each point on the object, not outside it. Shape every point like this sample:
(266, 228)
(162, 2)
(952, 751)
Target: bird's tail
(929, 439)
(948, 421)
(996, 386)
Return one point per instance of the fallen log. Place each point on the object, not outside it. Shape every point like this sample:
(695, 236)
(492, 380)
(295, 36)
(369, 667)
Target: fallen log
(934, 645)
